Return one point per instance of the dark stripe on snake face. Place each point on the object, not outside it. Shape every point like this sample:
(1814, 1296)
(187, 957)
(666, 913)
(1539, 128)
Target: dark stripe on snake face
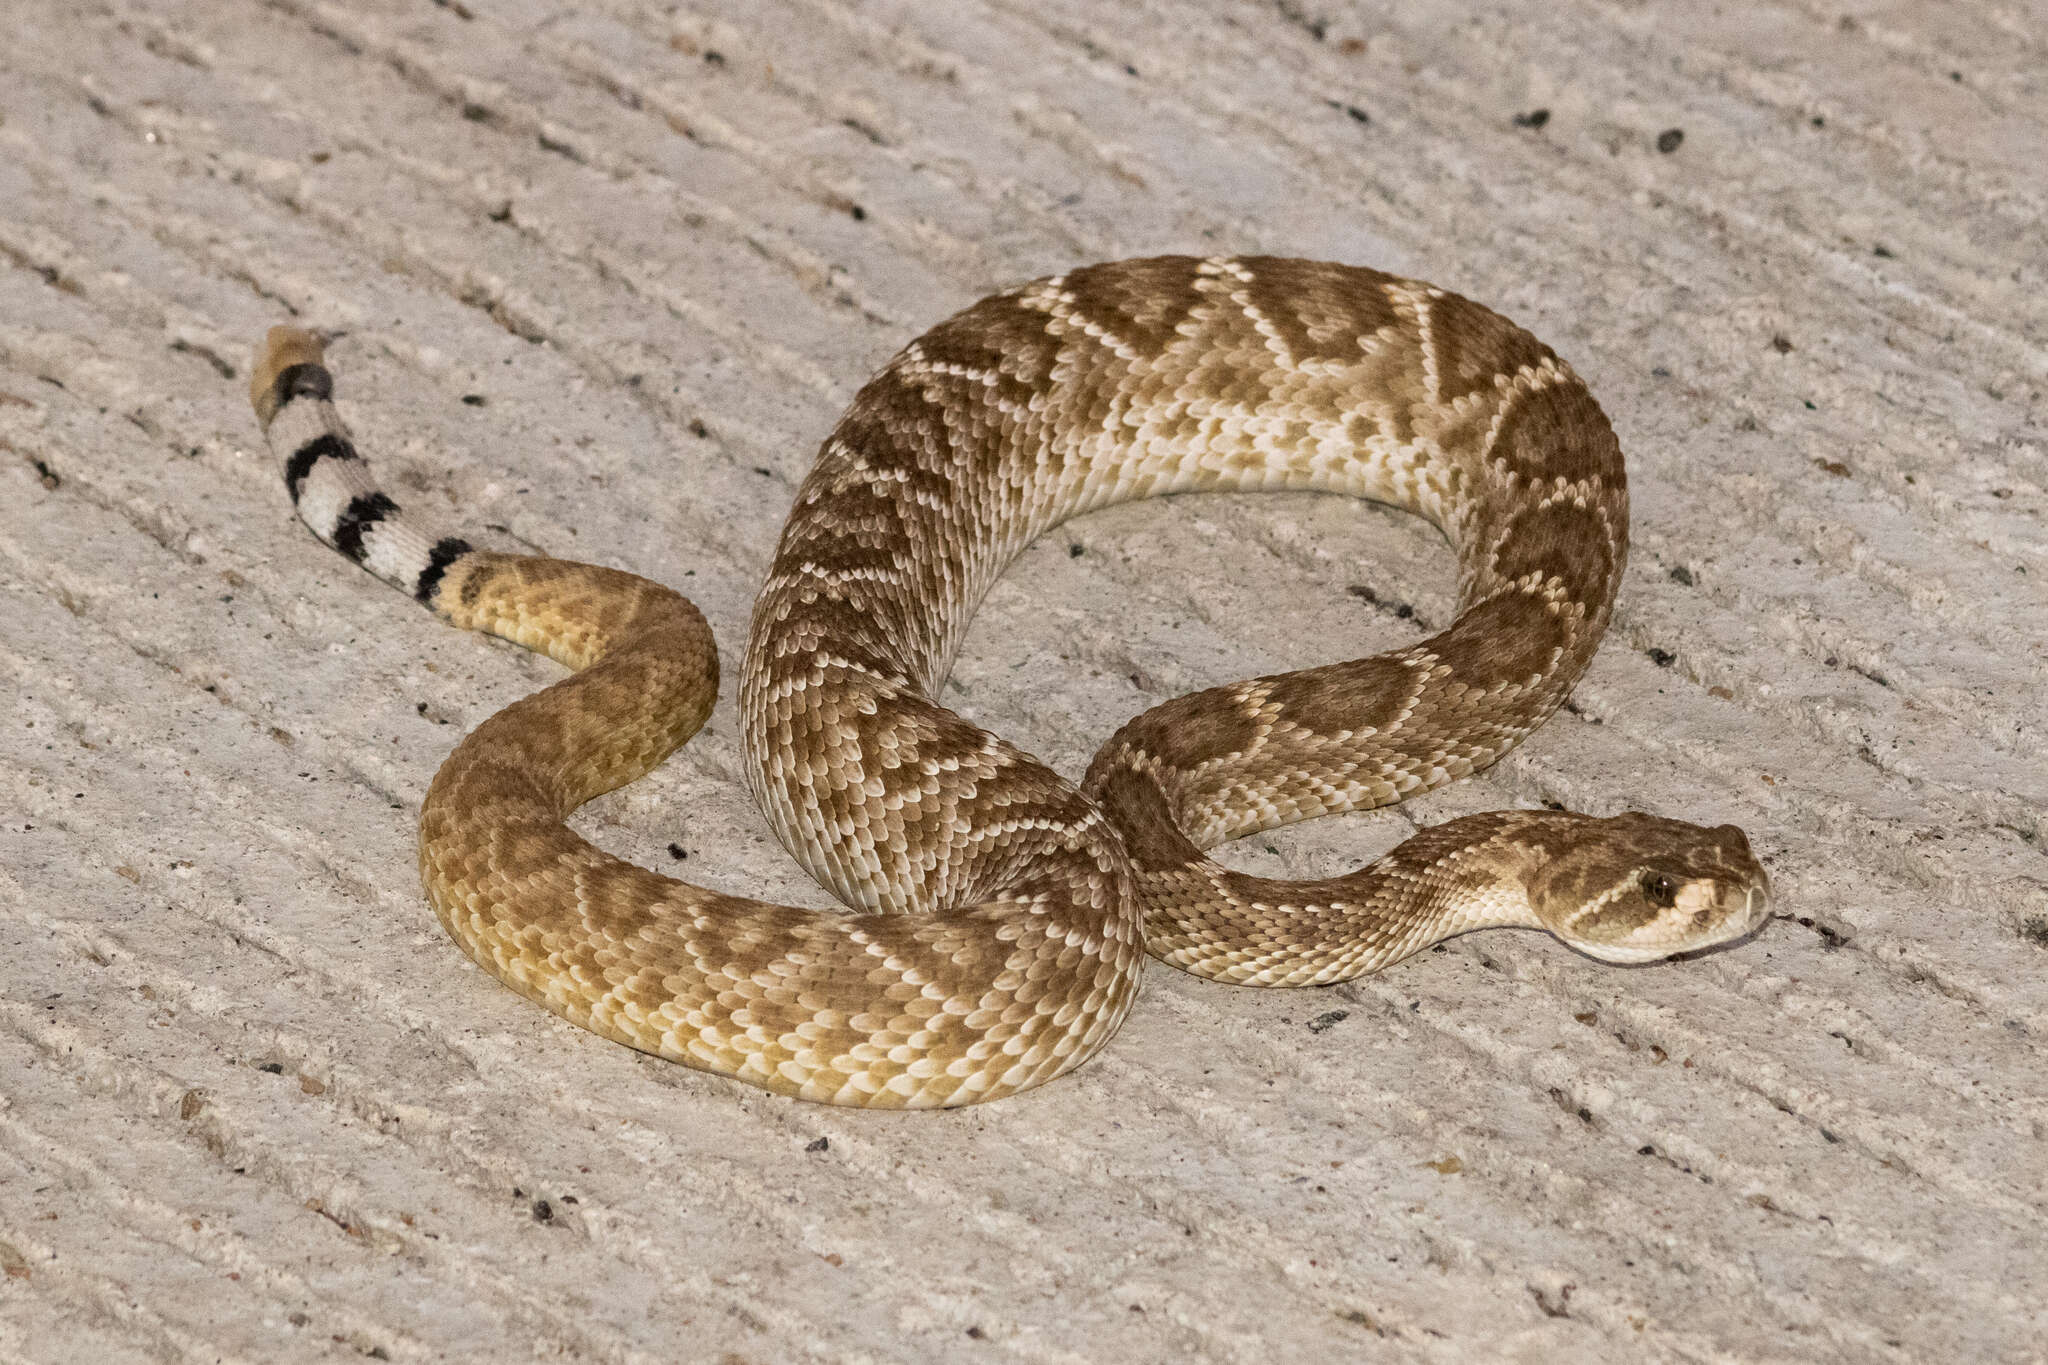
(1612, 919)
(363, 512)
(327, 447)
(445, 552)
(302, 381)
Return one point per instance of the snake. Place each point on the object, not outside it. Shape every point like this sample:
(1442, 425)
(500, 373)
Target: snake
(998, 915)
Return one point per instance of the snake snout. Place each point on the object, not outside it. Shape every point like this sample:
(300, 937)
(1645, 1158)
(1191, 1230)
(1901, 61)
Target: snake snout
(1743, 887)
(1756, 904)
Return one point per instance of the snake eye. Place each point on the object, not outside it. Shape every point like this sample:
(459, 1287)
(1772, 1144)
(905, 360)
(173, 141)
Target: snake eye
(1660, 889)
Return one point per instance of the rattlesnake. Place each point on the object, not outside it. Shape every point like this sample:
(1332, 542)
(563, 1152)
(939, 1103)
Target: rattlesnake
(1012, 908)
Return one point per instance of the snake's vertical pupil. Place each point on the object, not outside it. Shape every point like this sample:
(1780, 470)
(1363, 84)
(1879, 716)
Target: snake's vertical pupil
(1660, 888)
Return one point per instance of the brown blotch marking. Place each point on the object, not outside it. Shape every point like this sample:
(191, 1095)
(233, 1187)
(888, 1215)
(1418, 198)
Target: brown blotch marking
(1140, 811)
(532, 576)
(1566, 541)
(874, 525)
(754, 939)
(1550, 834)
(495, 817)
(875, 432)
(1192, 730)
(477, 576)
(1321, 311)
(869, 536)
(896, 737)
(1052, 879)
(1366, 694)
(1141, 302)
(998, 336)
(1474, 344)
(620, 899)
(1558, 432)
(282, 348)
(1502, 642)
(869, 639)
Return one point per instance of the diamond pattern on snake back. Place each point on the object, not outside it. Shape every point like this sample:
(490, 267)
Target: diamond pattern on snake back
(1141, 378)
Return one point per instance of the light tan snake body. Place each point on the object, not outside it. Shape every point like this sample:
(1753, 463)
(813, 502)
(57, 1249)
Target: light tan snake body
(1014, 908)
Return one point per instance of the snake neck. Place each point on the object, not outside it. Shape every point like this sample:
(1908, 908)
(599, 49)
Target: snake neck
(1478, 872)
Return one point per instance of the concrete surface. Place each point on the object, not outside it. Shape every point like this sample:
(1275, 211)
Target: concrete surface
(607, 274)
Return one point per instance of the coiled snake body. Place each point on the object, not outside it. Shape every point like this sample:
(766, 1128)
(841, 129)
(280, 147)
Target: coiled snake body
(1012, 910)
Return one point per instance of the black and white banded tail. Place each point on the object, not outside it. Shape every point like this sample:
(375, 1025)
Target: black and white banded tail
(329, 481)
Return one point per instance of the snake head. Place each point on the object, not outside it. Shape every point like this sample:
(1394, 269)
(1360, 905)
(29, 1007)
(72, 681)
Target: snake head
(1647, 888)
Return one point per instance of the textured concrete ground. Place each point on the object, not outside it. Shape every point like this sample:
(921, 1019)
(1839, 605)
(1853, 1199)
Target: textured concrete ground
(607, 272)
